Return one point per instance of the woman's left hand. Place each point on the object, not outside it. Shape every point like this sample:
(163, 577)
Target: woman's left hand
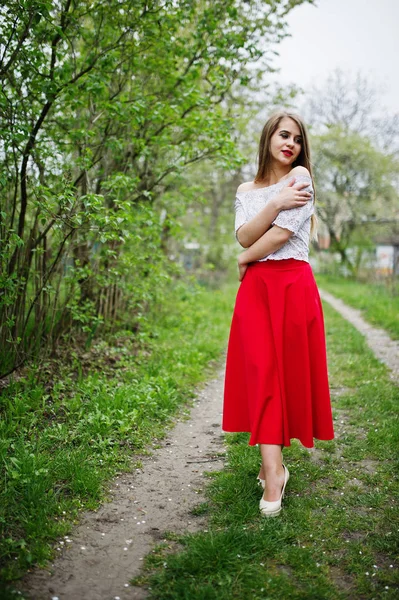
(242, 268)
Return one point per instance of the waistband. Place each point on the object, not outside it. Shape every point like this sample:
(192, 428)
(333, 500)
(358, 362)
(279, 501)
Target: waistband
(282, 264)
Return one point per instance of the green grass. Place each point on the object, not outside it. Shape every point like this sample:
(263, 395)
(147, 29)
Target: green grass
(61, 442)
(378, 303)
(337, 536)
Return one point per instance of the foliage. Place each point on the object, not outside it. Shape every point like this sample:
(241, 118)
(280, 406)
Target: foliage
(355, 156)
(103, 105)
(356, 189)
(61, 443)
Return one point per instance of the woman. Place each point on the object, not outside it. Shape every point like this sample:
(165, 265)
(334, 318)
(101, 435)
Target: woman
(276, 384)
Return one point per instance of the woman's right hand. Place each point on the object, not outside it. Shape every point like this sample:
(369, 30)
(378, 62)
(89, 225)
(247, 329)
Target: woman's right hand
(292, 195)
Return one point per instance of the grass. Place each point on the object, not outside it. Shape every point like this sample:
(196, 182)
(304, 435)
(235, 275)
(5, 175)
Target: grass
(60, 442)
(337, 536)
(378, 303)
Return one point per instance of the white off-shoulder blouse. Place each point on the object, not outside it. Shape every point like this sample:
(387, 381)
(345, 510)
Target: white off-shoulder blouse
(249, 203)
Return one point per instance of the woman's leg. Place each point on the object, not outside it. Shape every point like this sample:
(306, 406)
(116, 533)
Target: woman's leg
(272, 470)
(261, 470)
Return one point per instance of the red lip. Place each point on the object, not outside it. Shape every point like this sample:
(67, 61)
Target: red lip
(287, 153)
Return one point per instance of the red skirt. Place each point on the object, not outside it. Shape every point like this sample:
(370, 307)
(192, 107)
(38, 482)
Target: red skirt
(276, 383)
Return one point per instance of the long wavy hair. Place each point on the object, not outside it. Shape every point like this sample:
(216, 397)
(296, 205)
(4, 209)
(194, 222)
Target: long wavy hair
(265, 157)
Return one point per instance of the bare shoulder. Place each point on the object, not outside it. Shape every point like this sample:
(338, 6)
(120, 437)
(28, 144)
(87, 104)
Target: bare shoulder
(246, 187)
(299, 170)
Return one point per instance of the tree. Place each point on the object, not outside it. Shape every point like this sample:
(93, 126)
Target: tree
(103, 105)
(355, 186)
(355, 104)
(355, 161)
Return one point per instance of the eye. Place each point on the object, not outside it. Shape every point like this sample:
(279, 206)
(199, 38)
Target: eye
(284, 135)
(298, 140)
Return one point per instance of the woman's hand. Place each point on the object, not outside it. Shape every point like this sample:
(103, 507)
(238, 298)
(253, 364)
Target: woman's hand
(242, 268)
(292, 195)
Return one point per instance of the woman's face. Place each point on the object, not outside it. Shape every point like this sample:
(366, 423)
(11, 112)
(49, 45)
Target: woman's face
(286, 142)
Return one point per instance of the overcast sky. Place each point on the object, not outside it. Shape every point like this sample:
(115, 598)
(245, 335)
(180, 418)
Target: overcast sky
(350, 34)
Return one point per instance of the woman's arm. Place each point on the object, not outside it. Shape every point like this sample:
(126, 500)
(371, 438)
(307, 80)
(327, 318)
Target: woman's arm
(248, 233)
(291, 196)
(269, 242)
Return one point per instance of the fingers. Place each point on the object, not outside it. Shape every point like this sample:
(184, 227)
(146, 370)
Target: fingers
(301, 185)
(242, 269)
(302, 197)
(291, 183)
(302, 192)
(298, 202)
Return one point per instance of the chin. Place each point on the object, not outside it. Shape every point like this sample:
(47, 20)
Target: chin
(287, 162)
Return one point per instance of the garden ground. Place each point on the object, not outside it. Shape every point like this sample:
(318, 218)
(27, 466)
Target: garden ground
(337, 536)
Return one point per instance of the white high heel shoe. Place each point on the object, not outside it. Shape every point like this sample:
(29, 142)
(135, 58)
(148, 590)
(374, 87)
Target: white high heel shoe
(272, 509)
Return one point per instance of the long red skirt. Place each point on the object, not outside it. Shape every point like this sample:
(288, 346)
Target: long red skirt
(276, 383)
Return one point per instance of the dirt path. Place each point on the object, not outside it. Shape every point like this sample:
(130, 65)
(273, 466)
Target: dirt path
(385, 349)
(105, 551)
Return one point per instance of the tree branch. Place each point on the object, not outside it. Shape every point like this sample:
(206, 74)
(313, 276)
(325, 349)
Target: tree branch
(21, 40)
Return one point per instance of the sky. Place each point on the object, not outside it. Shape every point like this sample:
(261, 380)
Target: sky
(354, 35)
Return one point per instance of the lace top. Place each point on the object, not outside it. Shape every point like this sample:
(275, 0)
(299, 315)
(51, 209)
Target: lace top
(249, 203)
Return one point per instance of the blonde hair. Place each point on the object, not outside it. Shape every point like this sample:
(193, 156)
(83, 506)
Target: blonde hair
(265, 157)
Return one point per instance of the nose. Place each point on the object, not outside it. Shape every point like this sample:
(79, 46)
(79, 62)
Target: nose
(290, 143)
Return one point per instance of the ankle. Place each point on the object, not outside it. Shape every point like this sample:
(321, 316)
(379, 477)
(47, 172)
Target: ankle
(273, 470)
